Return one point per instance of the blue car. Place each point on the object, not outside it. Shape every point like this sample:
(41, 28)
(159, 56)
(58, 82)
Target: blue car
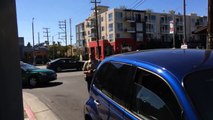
(167, 84)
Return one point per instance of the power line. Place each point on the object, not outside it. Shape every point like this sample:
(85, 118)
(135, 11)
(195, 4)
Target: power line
(132, 5)
(138, 4)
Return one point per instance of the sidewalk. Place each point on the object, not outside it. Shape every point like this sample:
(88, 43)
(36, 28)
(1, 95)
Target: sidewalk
(34, 109)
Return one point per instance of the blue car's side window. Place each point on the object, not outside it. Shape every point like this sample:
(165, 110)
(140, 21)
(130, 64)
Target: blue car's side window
(153, 98)
(113, 79)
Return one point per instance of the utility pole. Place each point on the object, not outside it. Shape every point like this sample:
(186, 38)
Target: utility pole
(184, 22)
(38, 38)
(33, 30)
(53, 47)
(33, 41)
(210, 25)
(174, 25)
(71, 35)
(96, 23)
(63, 27)
(11, 102)
(46, 35)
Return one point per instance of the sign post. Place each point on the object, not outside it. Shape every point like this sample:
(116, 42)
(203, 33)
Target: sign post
(172, 30)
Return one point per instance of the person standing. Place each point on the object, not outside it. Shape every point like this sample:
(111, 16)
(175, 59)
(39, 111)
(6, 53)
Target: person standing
(89, 69)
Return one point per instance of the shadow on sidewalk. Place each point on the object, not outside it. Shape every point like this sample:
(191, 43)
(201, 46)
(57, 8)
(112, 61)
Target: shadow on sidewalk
(50, 84)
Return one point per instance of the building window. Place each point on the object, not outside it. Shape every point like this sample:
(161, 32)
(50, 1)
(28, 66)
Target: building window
(110, 27)
(119, 26)
(119, 15)
(118, 35)
(138, 17)
(102, 19)
(153, 18)
(110, 37)
(139, 27)
(139, 36)
(103, 37)
(102, 28)
(110, 17)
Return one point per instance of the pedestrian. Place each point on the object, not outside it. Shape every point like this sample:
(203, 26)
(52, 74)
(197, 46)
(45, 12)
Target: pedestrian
(89, 69)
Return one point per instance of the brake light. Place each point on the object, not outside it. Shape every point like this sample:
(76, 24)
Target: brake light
(48, 64)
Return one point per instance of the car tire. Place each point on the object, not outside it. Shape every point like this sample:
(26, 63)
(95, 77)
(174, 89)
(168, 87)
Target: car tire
(87, 117)
(78, 69)
(32, 81)
(58, 69)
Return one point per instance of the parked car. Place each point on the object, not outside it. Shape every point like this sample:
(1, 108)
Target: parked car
(64, 64)
(171, 84)
(32, 75)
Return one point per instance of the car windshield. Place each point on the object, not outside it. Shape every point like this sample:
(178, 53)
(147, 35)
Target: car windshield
(199, 86)
(26, 66)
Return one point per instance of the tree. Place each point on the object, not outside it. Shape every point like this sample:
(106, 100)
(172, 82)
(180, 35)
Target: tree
(29, 44)
(172, 12)
(149, 11)
(123, 7)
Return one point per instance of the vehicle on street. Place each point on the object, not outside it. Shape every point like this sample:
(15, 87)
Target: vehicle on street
(164, 84)
(32, 75)
(61, 64)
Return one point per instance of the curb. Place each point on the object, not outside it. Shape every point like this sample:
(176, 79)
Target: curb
(30, 114)
(35, 109)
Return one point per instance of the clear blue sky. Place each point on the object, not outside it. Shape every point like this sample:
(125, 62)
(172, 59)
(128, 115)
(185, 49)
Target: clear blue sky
(47, 13)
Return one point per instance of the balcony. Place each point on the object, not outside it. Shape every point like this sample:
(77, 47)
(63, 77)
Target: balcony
(149, 30)
(130, 30)
(165, 31)
(130, 19)
(163, 22)
(92, 26)
(179, 31)
(179, 23)
(92, 35)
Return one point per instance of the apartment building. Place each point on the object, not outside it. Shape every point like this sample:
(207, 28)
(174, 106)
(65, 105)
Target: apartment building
(121, 30)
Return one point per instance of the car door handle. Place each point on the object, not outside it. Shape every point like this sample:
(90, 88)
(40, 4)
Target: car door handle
(97, 102)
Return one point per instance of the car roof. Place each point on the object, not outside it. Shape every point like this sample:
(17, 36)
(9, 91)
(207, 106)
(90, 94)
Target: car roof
(179, 62)
(61, 59)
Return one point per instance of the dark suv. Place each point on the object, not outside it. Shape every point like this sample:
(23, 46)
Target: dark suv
(172, 84)
(61, 64)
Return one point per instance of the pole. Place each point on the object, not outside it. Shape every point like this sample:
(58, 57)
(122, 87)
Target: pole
(71, 35)
(38, 38)
(210, 25)
(96, 23)
(53, 47)
(174, 30)
(65, 22)
(11, 102)
(46, 31)
(33, 30)
(34, 62)
(184, 21)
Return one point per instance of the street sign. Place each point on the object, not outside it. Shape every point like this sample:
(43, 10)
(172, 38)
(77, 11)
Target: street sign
(171, 30)
(184, 46)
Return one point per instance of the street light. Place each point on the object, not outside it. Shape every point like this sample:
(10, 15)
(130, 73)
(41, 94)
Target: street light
(33, 40)
(33, 30)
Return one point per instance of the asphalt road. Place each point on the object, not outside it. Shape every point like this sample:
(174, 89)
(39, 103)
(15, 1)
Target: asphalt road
(65, 96)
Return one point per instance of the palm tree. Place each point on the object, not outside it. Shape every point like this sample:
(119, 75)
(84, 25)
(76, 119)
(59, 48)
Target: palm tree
(172, 12)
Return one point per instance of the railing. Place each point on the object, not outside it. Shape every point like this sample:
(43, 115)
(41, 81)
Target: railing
(130, 30)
